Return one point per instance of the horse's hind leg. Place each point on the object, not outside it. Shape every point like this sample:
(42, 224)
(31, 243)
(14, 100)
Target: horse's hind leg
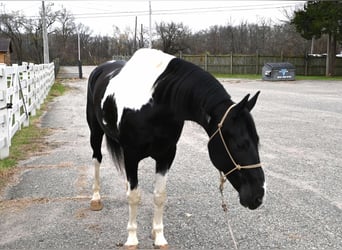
(96, 136)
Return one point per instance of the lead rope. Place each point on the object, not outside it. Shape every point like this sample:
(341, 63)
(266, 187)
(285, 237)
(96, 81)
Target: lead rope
(225, 209)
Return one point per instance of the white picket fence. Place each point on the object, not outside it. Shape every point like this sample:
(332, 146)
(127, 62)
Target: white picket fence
(22, 90)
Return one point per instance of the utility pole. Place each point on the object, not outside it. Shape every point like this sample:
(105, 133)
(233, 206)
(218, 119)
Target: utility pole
(80, 74)
(79, 46)
(135, 34)
(150, 26)
(141, 44)
(45, 36)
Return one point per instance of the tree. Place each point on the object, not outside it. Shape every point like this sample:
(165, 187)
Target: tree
(13, 26)
(321, 18)
(173, 37)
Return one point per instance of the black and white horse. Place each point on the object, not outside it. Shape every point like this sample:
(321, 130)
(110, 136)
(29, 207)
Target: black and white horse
(141, 107)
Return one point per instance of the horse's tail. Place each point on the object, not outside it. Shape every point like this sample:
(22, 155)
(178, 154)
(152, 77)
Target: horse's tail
(109, 124)
(116, 152)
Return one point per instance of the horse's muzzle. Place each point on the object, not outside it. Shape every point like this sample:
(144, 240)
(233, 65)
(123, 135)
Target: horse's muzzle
(252, 200)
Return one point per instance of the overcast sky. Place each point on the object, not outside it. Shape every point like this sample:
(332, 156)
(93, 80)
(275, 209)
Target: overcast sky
(100, 16)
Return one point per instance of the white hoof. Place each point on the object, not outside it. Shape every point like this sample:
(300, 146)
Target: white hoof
(96, 205)
(159, 240)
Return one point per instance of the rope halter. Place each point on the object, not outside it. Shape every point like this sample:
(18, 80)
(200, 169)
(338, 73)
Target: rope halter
(237, 166)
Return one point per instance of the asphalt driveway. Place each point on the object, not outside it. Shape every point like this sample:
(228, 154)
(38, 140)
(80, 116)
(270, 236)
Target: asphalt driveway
(46, 205)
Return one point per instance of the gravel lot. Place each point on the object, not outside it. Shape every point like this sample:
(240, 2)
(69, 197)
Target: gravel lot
(46, 205)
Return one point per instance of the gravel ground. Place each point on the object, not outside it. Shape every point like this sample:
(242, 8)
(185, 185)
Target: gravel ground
(46, 205)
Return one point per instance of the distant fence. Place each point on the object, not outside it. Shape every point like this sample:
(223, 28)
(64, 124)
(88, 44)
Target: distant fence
(252, 64)
(22, 91)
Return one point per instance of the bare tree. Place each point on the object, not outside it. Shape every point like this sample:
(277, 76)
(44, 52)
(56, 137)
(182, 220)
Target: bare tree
(173, 37)
(13, 26)
(65, 30)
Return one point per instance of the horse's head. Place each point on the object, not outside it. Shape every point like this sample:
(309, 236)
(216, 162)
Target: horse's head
(233, 149)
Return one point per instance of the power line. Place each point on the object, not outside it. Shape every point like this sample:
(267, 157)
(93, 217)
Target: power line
(178, 11)
(193, 11)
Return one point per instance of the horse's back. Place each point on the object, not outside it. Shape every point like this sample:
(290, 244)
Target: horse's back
(133, 86)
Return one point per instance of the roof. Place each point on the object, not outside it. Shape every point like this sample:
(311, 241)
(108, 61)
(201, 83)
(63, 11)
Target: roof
(5, 45)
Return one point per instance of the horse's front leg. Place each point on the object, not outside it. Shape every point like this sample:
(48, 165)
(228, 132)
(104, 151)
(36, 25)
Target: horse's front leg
(159, 202)
(163, 165)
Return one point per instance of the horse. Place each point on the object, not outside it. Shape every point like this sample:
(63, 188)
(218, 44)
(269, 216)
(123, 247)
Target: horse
(141, 106)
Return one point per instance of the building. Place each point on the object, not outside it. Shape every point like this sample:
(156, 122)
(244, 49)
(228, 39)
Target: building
(5, 50)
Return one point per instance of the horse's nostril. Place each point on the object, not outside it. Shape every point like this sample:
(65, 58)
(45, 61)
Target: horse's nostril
(259, 200)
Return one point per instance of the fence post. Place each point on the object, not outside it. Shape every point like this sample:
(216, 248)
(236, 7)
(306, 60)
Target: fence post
(180, 54)
(4, 113)
(231, 62)
(15, 100)
(206, 61)
(306, 64)
(24, 88)
(257, 63)
(32, 90)
(281, 56)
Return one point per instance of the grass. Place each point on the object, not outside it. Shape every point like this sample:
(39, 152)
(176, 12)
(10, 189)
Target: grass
(29, 140)
(298, 77)
(238, 76)
(320, 78)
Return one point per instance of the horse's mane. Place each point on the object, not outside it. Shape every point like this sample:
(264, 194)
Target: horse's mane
(188, 90)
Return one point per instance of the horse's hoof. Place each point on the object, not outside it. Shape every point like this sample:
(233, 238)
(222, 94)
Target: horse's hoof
(96, 205)
(131, 247)
(161, 247)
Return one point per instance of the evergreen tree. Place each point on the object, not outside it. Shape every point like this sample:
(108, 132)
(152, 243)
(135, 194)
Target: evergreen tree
(321, 18)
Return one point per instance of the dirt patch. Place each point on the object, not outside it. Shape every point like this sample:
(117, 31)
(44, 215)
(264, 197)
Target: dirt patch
(18, 205)
(82, 213)
(6, 175)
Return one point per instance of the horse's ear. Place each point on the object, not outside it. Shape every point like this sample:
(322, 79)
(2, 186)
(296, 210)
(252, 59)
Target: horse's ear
(240, 106)
(250, 104)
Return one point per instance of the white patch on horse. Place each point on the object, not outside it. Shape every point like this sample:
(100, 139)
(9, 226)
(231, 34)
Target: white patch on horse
(159, 202)
(96, 185)
(133, 86)
(265, 189)
(134, 197)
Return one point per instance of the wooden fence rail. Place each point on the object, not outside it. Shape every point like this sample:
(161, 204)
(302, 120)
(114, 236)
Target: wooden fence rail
(252, 64)
(22, 90)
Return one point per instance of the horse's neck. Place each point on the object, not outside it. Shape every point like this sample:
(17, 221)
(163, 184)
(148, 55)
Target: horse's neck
(209, 116)
(215, 115)
(204, 108)
(192, 94)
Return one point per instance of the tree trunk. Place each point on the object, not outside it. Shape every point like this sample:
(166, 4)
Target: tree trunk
(331, 55)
